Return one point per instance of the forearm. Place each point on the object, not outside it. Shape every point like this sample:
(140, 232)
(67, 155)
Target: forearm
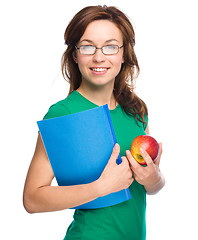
(153, 189)
(55, 198)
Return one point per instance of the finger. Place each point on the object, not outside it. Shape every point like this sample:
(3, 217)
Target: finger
(126, 163)
(134, 164)
(115, 153)
(157, 162)
(127, 166)
(124, 160)
(146, 157)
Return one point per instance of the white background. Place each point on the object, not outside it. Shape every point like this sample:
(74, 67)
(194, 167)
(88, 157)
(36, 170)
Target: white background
(31, 45)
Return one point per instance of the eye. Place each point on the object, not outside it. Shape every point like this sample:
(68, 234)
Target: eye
(87, 47)
(111, 47)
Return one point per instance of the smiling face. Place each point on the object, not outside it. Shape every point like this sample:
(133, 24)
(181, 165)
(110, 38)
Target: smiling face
(100, 70)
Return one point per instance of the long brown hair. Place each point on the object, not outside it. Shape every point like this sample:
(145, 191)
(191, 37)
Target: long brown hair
(124, 82)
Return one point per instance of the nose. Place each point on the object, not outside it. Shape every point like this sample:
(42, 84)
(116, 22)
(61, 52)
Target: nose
(98, 56)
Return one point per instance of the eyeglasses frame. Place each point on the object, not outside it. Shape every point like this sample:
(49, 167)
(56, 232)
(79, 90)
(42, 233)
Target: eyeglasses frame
(78, 48)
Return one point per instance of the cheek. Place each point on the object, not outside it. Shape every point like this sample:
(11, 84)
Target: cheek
(117, 60)
(118, 64)
(82, 63)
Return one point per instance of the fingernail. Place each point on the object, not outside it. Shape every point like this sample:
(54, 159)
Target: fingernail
(142, 150)
(116, 146)
(127, 152)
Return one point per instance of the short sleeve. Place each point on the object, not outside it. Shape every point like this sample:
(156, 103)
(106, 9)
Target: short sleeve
(57, 110)
(146, 120)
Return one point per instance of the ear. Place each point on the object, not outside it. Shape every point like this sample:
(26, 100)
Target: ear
(74, 56)
(123, 59)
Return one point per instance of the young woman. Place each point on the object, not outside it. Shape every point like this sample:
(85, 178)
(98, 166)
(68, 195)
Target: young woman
(100, 64)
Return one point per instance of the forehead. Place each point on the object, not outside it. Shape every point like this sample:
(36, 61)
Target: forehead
(101, 31)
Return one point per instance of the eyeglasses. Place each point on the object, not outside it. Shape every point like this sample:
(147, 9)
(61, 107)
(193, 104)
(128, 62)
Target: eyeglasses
(91, 50)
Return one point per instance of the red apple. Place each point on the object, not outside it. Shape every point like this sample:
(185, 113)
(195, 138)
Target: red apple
(149, 144)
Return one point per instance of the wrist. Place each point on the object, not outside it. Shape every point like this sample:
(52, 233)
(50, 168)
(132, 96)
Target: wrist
(155, 188)
(99, 188)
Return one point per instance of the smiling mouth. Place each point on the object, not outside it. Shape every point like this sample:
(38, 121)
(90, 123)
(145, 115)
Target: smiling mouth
(99, 69)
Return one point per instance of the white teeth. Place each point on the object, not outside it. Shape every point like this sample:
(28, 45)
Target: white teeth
(99, 69)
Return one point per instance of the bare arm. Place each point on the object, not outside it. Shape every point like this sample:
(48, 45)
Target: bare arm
(40, 196)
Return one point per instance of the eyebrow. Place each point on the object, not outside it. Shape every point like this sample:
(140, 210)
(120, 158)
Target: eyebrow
(89, 41)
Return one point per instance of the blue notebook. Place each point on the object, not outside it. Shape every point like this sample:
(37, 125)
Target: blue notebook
(79, 146)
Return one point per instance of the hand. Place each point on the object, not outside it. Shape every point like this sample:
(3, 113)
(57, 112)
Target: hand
(115, 177)
(149, 176)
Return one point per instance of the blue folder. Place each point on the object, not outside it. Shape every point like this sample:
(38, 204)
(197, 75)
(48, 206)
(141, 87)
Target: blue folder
(79, 146)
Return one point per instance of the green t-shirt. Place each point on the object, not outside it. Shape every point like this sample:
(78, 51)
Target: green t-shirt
(124, 221)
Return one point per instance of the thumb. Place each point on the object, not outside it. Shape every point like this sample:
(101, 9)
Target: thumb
(115, 153)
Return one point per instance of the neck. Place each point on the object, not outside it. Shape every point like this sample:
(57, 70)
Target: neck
(99, 96)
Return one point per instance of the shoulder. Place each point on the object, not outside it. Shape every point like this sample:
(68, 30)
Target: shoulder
(135, 116)
(69, 105)
(58, 109)
(61, 108)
